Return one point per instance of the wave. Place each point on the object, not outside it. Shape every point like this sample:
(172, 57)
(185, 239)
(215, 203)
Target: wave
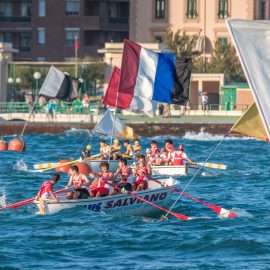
(205, 136)
(77, 131)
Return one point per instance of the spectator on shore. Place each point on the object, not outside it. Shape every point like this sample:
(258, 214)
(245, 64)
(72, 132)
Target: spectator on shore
(77, 104)
(187, 108)
(205, 105)
(32, 109)
(22, 97)
(166, 111)
(85, 102)
(52, 109)
(41, 101)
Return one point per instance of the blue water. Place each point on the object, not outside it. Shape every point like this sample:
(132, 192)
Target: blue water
(74, 239)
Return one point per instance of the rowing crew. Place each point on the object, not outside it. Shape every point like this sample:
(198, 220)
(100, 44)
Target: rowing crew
(100, 187)
(115, 150)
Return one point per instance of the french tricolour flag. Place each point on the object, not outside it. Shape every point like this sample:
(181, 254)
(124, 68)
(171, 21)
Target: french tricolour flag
(148, 77)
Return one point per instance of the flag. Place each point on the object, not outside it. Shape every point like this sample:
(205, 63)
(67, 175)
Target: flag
(76, 45)
(59, 85)
(110, 122)
(153, 76)
(116, 98)
(252, 43)
(251, 124)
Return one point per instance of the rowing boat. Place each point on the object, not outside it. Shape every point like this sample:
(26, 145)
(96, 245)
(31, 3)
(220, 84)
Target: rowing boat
(122, 203)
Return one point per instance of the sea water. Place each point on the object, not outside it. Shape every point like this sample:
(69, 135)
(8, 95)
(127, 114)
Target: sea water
(76, 239)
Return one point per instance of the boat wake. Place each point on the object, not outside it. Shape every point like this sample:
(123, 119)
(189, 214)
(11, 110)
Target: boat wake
(77, 131)
(3, 197)
(241, 213)
(20, 166)
(205, 136)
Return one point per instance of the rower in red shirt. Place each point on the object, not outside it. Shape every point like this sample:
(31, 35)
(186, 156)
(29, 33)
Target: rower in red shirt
(177, 157)
(142, 171)
(80, 182)
(124, 171)
(100, 187)
(153, 153)
(46, 193)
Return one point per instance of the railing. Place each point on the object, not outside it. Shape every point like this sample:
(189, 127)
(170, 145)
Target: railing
(61, 107)
(15, 19)
(92, 106)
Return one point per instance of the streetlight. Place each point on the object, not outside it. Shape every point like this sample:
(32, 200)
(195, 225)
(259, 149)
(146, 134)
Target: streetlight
(37, 76)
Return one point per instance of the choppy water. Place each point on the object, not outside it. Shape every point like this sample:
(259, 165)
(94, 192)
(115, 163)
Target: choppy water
(73, 239)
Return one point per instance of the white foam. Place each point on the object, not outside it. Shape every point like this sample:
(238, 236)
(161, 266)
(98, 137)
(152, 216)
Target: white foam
(79, 131)
(3, 197)
(205, 136)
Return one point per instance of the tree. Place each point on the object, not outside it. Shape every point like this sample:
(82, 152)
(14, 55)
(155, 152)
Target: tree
(225, 60)
(181, 44)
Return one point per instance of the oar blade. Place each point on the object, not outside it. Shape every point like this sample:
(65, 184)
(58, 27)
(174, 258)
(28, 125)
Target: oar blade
(214, 165)
(179, 216)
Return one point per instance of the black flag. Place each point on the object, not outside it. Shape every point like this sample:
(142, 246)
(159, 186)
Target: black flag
(182, 74)
(59, 85)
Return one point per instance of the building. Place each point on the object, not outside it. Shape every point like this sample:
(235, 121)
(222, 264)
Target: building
(45, 30)
(151, 19)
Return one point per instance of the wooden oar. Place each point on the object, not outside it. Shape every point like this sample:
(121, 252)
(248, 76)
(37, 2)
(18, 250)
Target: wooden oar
(213, 165)
(28, 201)
(52, 165)
(219, 210)
(177, 215)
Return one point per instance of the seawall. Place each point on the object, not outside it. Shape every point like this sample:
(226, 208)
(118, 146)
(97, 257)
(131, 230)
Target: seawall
(142, 129)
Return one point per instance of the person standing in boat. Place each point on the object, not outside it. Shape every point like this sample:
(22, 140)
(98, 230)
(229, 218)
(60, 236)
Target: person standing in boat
(100, 187)
(125, 172)
(137, 149)
(104, 150)
(142, 172)
(115, 149)
(129, 150)
(86, 153)
(152, 153)
(46, 193)
(177, 157)
(80, 182)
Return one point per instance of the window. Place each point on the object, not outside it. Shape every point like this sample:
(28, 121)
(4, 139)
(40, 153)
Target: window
(222, 9)
(5, 37)
(72, 7)
(160, 9)
(262, 10)
(5, 9)
(26, 9)
(71, 33)
(41, 36)
(192, 9)
(158, 39)
(223, 41)
(25, 42)
(41, 8)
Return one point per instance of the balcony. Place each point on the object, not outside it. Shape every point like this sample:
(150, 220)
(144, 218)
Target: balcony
(14, 19)
(118, 20)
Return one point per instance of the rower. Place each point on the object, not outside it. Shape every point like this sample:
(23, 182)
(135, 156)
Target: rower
(129, 150)
(177, 157)
(137, 149)
(80, 182)
(46, 193)
(100, 187)
(86, 153)
(142, 171)
(104, 150)
(153, 153)
(116, 149)
(124, 171)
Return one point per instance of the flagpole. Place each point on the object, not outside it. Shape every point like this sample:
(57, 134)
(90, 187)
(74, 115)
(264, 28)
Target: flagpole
(76, 56)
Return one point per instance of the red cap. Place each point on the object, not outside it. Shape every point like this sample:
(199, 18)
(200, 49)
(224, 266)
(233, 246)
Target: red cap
(181, 147)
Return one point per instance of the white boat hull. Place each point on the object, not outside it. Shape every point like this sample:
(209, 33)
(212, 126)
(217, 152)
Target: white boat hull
(169, 170)
(122, 203)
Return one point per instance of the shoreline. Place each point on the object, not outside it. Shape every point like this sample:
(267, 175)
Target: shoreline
(142, 129)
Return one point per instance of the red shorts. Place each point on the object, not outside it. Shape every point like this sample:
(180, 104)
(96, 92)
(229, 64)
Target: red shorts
(103, 191)
(141, 182)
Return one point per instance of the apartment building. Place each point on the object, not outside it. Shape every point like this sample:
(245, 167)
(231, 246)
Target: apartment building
(151, 19)
(45, 30)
